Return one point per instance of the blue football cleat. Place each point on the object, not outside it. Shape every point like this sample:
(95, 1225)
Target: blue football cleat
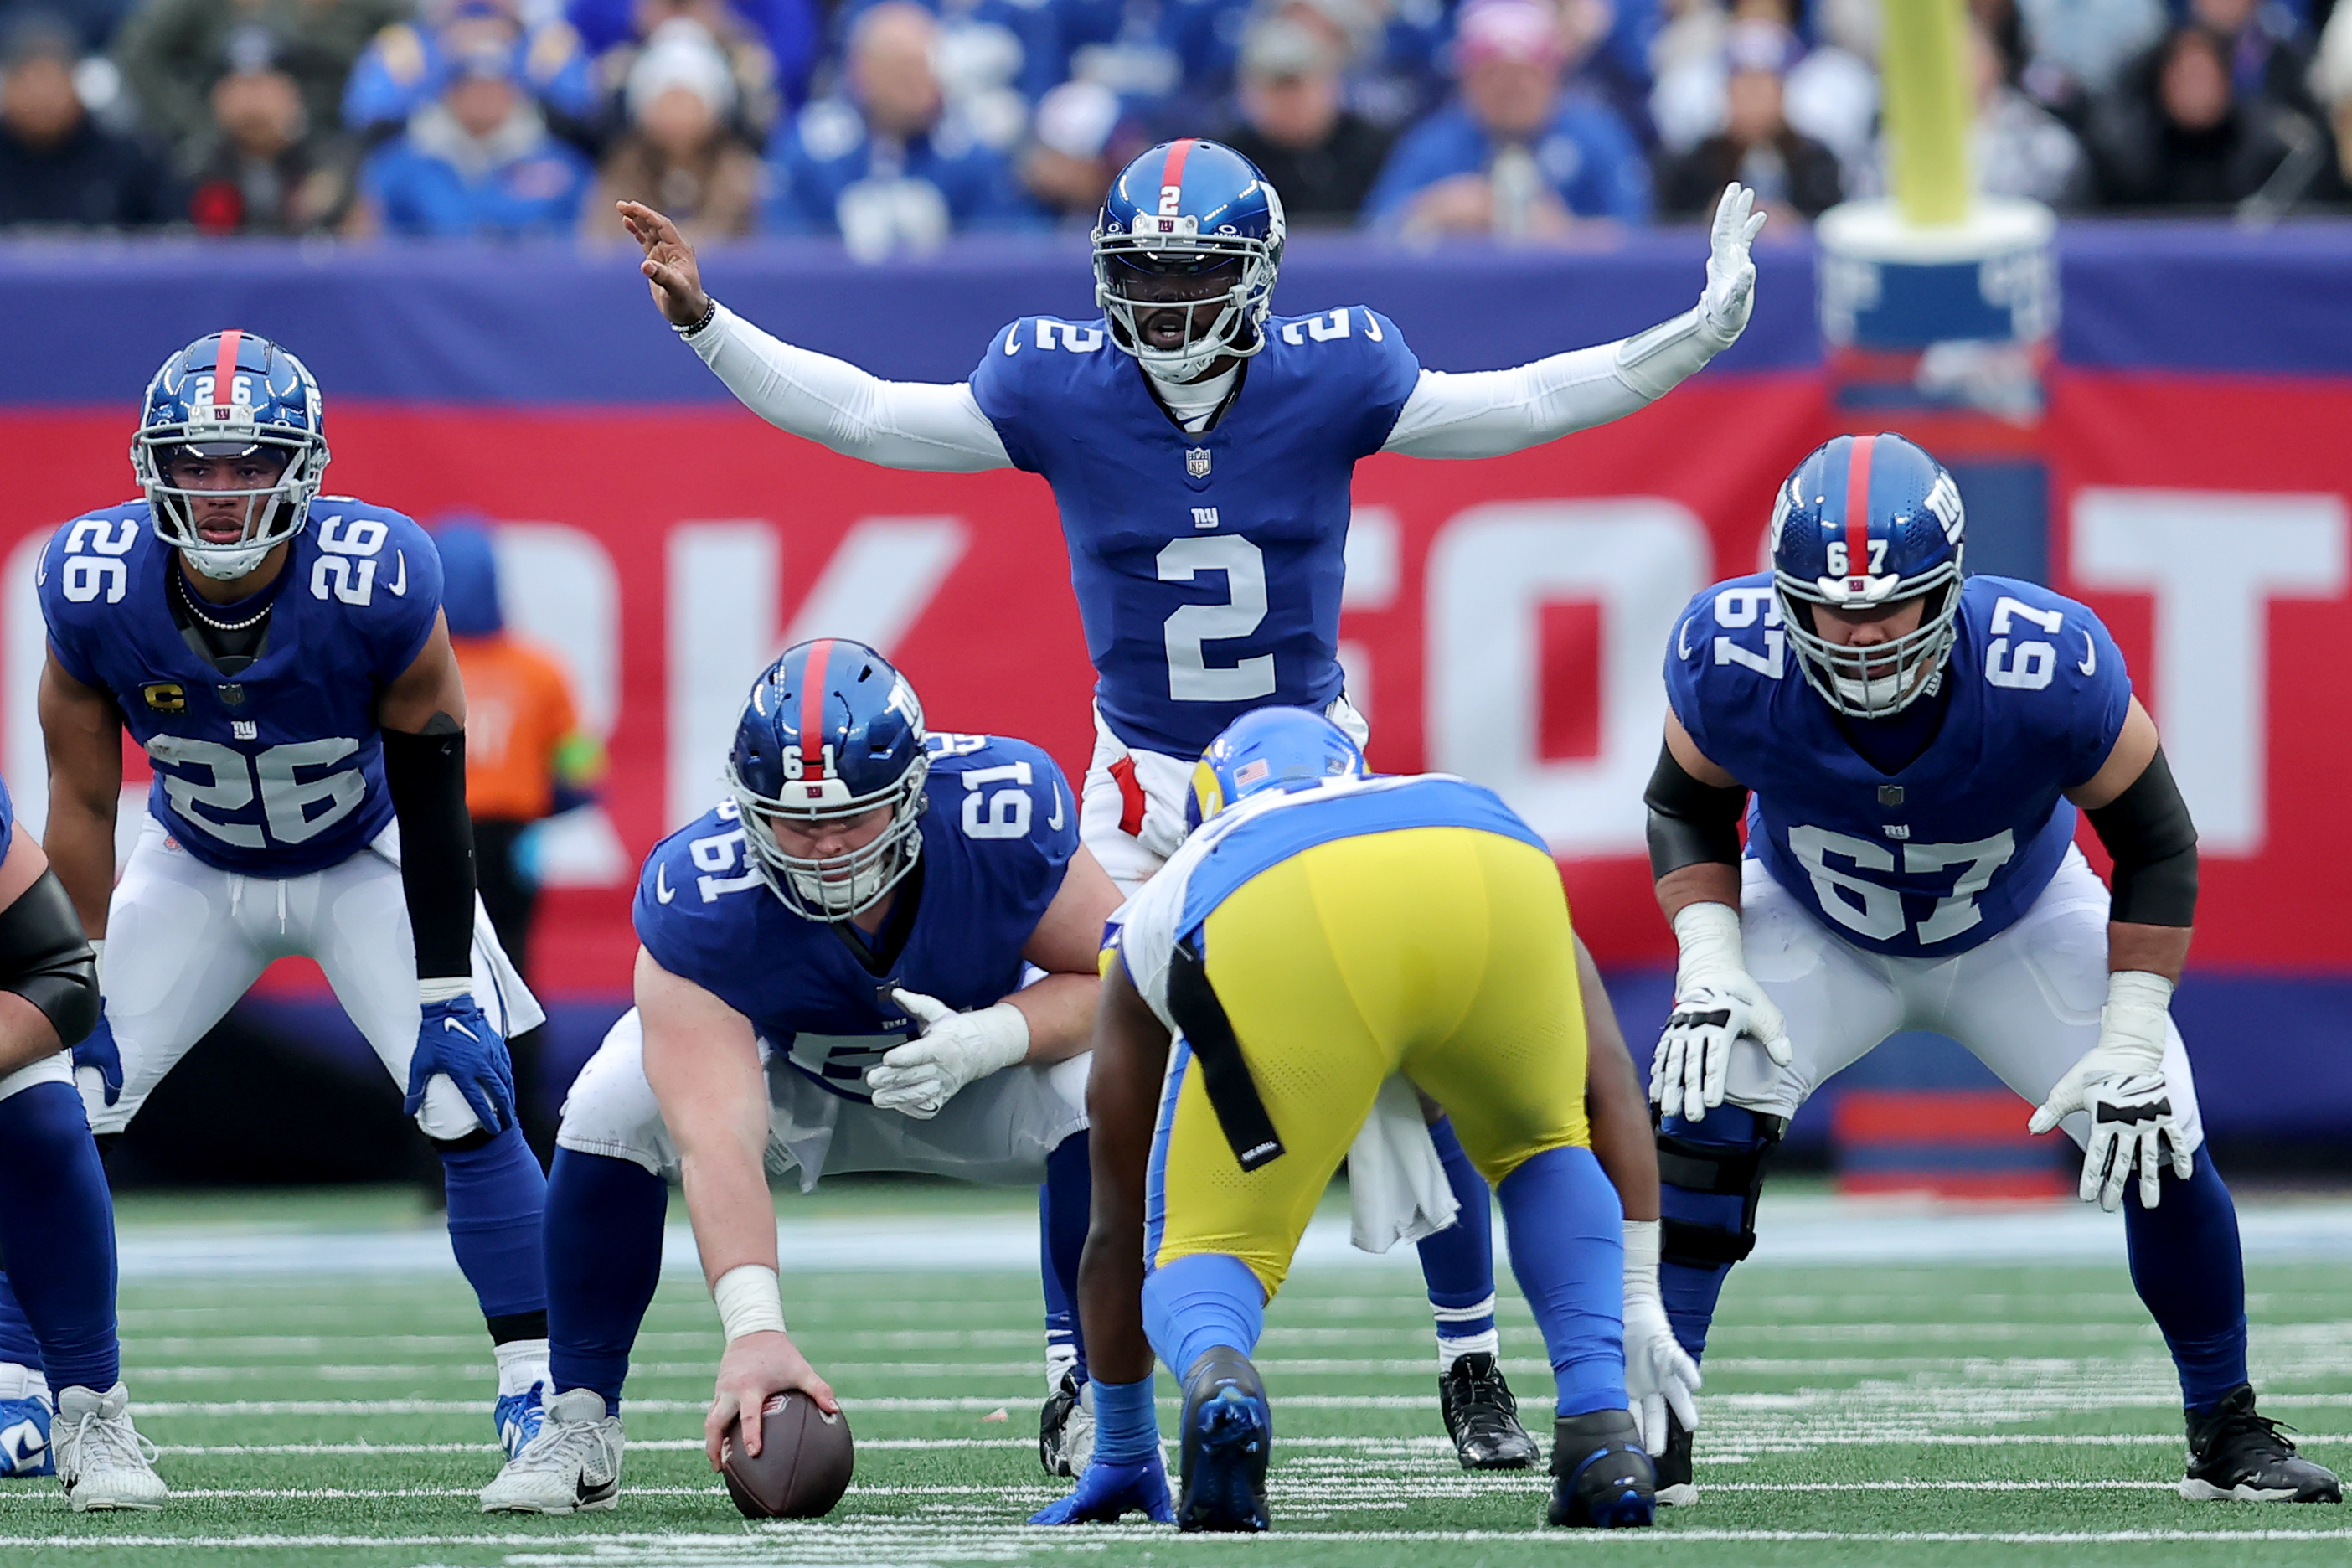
(1228, 1440)
(1601, 1478)
(1106, 1493)
(24, 1439)
(518, 1417)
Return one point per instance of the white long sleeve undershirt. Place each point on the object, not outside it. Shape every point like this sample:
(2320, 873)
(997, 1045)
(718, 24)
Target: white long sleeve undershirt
(939, 428)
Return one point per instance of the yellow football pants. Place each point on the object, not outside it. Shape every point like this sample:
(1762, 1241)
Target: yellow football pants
(1441, 953)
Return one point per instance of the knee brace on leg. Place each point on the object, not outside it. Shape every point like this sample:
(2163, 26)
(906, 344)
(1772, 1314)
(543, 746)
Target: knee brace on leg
(1722, 1157)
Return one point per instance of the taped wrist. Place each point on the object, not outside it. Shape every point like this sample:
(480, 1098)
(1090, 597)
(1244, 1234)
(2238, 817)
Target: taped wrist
(1692, 1166)
(750, 1302)
(47, 960)
(427, 776)
(1655, 362)
(2146, 829)
(1691, 824)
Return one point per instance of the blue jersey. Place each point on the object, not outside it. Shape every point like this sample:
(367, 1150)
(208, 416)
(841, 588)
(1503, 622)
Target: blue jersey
(1948, 851)
(276, 771)
(998, 830)
(1208, 567)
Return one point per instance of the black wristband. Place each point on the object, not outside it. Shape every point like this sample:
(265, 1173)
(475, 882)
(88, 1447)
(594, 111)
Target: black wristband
(1691, 822)
(427, 776)
(701, 323)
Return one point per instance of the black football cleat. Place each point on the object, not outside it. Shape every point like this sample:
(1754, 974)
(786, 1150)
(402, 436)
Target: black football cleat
(1066, 1427)
(1601, 1478)
(1482, 1417)
(1228, 1440)
(2236, 1454)
(1675, 1488)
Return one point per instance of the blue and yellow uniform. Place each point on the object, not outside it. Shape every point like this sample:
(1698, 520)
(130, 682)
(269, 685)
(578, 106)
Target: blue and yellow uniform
(1351, 931)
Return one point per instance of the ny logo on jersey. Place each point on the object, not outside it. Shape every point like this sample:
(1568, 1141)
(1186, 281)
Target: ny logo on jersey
(243, 730)
(1204, 516)
(1196, 462)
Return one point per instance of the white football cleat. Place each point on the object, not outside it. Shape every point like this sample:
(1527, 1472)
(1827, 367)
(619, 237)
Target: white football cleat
(571, 1465)
(103, 1460)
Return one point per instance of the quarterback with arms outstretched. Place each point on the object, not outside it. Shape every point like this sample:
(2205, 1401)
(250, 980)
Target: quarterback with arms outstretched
(1200, 450)
(282, 658)
(1918, 745)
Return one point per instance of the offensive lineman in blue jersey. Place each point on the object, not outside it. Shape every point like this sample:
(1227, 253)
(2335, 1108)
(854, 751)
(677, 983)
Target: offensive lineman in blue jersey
(71, 1417)
(282, 658)
(1201, 469)
(830, 976)
(1910, 864)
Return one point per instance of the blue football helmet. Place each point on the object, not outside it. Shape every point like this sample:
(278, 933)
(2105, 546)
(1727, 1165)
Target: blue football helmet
(231, 394)
(832, 734)
(1867, 521)
(1192, 225)
(1269, 747)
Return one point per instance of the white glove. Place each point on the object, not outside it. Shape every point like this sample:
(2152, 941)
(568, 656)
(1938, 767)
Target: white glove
(2120, 1081)
(1716, 1001)
(954, 1050)
(1658, 1374)
(1730, 273)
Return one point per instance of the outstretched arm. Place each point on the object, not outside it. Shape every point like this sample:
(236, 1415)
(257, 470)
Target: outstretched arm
(1489, 413)
(897, 424)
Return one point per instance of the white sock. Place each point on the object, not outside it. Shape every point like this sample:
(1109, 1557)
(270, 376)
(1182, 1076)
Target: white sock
(1059, 1359)
(20, 1381)
(522, 1362)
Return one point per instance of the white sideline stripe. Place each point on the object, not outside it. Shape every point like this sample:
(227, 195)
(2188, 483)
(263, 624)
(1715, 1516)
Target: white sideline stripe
(1431, 1445)
(875, 1535)
(1403, 1486)
(637, 1446)
(1793, 1231)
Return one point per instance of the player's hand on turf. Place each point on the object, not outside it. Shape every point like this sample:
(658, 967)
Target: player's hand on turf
(1730, 272)
(755, 1369)
(1659, 1374)
(456, 1040)
(1694, 1055)
(669, 266)
(954, 1050)
(1106, 1493)
(99, 1052)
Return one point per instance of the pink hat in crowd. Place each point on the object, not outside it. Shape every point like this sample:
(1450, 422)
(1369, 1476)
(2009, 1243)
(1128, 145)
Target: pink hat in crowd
(1526, 30)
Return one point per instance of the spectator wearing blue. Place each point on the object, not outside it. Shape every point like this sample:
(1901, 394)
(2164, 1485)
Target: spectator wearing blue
(476, 160)
(1517, 154)
(882, 167)
(771, 44)
(410, 63)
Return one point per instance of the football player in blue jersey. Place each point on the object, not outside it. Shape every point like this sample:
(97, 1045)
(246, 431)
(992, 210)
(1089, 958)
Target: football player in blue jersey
(65, 1412)
(830, 978)
(1200, 449)
(282, 658)
(1910, 748)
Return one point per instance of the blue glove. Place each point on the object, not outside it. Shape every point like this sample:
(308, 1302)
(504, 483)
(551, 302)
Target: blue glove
(1108, 1491)
(98, 1051)
(455, 1038)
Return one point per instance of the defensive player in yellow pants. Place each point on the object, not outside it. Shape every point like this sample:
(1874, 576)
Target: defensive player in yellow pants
(1320, 932)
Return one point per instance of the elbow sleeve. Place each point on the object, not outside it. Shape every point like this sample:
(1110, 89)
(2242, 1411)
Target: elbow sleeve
(427, 776)
(1691, 822)
(48, 959)
(2146, 829)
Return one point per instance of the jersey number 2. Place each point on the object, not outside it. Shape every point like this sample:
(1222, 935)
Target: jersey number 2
(1191, 676)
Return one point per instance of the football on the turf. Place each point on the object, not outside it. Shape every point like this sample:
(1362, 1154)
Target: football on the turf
(803, 1465)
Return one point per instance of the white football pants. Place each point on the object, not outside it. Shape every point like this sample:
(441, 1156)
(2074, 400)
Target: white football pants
(996, 1130)
(2026, 1003)
(185, 941)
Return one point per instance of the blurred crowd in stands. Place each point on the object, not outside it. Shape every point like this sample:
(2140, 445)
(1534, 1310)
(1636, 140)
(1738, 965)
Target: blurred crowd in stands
(892, 123)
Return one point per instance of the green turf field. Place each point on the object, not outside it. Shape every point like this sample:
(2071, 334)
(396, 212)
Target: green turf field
(1955, 1414)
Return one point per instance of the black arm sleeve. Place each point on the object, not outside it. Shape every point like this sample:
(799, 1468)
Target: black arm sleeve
(1691, 822)
(426, 774)
(47, 960)
(2146, 829)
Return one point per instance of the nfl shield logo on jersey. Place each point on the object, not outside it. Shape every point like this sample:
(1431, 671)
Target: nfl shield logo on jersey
(1196, 462)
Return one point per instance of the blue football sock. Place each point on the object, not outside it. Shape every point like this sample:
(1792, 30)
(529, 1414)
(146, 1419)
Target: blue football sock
(1566, 1232)
(1126, 1428)
(603, 1259)
(496, 1195)
(57, 1232)
(1458, 1262)
(1065, 1203)
(2185, 1263)
(1691, 1289)
(1193, 1305)
(17, 1345)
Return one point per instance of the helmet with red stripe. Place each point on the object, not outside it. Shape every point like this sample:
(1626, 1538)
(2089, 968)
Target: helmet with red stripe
(235, 409)
(1186, 252)
(1867, 525)
(828, 773)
